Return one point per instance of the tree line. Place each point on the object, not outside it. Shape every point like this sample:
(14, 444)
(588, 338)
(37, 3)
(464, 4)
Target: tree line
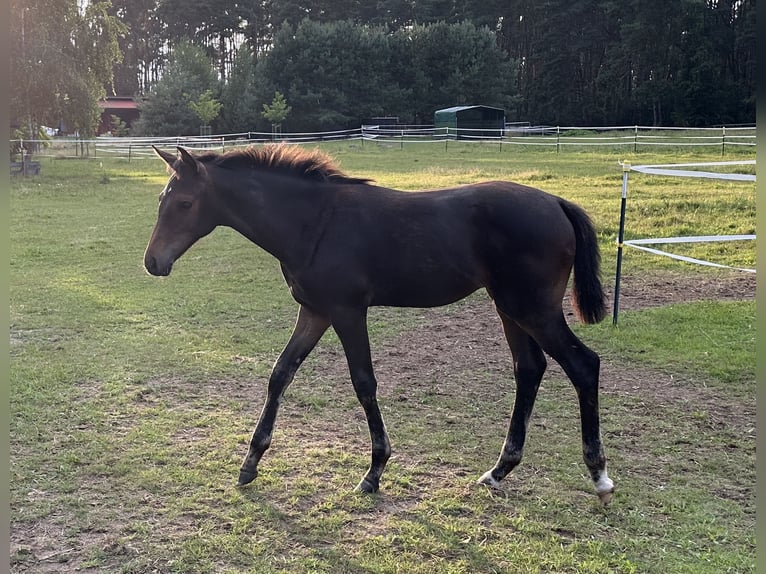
(591, 62)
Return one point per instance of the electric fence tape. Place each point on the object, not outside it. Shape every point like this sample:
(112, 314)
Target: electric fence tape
(674, 170)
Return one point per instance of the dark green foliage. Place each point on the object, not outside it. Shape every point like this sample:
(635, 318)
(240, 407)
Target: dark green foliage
(241, 111)
(118, 127)
(210, 25)
(335, 74)
(626, 62)
(600, 62)
(166, 111)
(595, 62)
(457, 64)
(332, 75)
(141, 47)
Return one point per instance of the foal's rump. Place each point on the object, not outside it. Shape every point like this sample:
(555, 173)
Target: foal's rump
(531, 241)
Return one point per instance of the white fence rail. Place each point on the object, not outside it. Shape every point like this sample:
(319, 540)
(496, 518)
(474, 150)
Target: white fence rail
(674, 170)
(558, 137)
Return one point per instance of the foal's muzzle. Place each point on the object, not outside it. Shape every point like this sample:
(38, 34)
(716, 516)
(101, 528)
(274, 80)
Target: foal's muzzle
(155, 268)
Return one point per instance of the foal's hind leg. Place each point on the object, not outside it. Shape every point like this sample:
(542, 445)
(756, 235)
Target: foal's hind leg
(528, 367)
(582, 367)
(309, 328)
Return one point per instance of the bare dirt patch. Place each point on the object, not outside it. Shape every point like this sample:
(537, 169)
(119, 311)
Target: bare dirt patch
(666, 288)
(447, 342)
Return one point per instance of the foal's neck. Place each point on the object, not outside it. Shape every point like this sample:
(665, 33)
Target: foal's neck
(281, 214)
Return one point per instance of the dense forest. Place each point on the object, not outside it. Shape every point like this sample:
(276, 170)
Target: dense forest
(334, 62)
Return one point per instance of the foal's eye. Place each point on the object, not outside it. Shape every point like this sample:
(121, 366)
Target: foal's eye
(185, 204)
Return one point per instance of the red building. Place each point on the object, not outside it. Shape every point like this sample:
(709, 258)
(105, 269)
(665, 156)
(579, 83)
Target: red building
(124, 108)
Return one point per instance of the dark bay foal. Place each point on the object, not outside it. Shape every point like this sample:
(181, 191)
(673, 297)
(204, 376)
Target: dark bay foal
(345, 244)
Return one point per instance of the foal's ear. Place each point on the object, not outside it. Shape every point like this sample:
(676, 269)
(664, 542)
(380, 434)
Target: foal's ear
(168, 158)
(189, 160)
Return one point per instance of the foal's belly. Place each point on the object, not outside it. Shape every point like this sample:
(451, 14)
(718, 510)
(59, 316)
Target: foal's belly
(422, 291)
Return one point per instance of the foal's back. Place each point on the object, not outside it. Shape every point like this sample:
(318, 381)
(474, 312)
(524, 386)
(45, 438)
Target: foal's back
(429, 248)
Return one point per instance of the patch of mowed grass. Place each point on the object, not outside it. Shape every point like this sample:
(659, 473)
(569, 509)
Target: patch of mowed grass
(712, 339)
(133, 398)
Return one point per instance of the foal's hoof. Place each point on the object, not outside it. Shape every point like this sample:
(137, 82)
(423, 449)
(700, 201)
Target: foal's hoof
(606, 496)
(488, 480)
(605, 489)
(366, 486)
(246, 476)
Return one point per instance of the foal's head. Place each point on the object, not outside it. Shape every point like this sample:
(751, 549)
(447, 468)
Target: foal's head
(190, 208)
(185, 212)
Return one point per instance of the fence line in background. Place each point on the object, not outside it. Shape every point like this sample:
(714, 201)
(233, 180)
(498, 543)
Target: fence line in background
(384, 135)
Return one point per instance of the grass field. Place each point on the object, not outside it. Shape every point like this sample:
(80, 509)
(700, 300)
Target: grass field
(132, 398)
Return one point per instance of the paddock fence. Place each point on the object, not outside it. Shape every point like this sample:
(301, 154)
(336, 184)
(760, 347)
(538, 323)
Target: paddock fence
(689, 170)
(636, 138)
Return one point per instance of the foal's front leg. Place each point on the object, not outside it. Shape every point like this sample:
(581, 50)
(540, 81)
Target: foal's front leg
(351, 327)
(309, 328)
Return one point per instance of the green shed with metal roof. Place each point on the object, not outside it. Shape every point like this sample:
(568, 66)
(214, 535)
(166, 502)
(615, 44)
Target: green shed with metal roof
(470, 122)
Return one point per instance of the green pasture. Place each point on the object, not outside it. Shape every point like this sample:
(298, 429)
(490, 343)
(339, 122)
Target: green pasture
(132, 398)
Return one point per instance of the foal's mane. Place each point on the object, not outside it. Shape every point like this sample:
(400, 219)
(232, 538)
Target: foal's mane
(310, 164)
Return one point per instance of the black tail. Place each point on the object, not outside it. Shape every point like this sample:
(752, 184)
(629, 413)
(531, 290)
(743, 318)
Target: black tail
(587, 293)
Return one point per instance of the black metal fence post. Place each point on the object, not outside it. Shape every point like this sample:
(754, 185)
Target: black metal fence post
(620, 238)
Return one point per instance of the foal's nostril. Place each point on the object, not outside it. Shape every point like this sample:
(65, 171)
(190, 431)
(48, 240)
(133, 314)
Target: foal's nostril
(150, 264)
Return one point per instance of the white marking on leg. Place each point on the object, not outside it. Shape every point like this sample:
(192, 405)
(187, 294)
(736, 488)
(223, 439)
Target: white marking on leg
(604, 488)
(604, 483)
(489, 480)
